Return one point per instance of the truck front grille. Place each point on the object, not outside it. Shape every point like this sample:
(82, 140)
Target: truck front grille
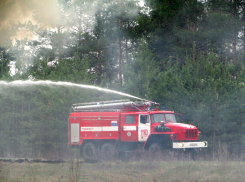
(191, 133)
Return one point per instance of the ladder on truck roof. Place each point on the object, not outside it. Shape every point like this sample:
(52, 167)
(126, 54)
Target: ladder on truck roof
(113, 105)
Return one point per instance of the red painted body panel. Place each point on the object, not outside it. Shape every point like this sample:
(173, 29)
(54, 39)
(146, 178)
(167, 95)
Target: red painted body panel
(96, 125)
(129, 132)
(181, 131)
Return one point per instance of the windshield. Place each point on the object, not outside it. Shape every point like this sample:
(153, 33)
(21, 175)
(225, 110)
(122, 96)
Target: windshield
(157, 118)
(170, 118)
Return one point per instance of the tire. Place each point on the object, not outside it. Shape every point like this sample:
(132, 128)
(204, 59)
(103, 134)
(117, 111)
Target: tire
(155, 147)
(89, 151)
(155, 150)
(108, 152)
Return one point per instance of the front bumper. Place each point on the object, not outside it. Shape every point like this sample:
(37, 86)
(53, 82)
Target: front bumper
(182, 145)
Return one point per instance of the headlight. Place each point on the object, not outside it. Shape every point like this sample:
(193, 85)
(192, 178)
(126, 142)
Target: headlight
(174, 136)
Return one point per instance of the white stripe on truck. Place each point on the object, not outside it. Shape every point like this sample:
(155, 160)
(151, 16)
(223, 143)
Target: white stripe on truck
(103, 128)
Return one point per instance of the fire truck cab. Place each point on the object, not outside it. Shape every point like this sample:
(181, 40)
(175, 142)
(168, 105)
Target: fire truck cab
(124, 125)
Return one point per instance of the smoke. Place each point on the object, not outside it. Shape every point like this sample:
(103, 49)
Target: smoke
(25, 20)
(16, 12)
(50, 14)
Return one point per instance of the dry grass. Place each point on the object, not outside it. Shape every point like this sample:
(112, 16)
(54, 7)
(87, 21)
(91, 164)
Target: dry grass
(143, 170)
(2, 173)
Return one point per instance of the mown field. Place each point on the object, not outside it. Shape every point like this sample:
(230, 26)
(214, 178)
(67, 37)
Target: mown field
(125, 171)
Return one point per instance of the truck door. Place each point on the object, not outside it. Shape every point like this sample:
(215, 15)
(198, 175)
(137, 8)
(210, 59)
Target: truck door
(144, 127)
(129, 127)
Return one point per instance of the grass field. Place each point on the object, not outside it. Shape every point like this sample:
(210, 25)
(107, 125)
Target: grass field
(125, 171)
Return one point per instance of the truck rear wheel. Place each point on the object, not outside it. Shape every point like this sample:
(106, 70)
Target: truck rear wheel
(108, 152)
(89, 151)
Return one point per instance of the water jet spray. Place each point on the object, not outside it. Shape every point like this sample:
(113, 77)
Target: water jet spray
(60, 83)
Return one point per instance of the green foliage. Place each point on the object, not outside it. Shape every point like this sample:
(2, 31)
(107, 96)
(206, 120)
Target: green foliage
(5, 58)
(178, 53)
(72, 69)
(209, 95)
(34, 119)
(139, 73)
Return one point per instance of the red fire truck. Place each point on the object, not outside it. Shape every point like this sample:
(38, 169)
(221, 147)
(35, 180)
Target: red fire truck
(123, 125)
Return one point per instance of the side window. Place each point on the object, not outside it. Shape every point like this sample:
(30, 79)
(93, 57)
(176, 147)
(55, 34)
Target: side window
(144, 119)
(129, 119)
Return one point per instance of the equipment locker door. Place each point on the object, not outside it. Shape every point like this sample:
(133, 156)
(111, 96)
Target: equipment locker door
(74, 132)
(144, 127)
(129, 127)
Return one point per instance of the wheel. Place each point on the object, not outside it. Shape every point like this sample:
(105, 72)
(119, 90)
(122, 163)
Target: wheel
(155, 147)
(155, 151)
(89, 151)
(108, 152)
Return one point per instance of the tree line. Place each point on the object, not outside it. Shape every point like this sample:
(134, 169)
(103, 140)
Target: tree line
(186, 55)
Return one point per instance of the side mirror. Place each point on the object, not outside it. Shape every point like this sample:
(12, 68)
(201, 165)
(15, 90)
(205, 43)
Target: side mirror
(179, 118)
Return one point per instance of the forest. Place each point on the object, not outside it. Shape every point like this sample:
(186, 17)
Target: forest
(187, 55)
